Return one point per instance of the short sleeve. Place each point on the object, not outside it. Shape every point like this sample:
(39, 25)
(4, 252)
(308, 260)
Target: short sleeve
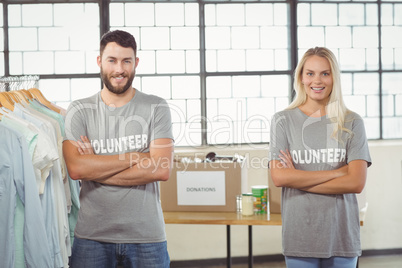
(278, 140)
(161, 126)
(358, 145)
(75, 125)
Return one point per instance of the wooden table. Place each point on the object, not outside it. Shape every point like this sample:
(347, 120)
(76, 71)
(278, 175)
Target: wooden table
(228, 219)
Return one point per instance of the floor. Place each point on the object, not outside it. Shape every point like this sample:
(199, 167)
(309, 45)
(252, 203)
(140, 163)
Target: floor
(386, 261)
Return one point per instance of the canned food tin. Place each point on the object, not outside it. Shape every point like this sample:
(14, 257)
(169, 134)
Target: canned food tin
(260, 193)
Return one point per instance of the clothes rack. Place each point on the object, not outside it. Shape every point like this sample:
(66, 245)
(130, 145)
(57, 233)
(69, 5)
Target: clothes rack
(40, 191)
(8, 83)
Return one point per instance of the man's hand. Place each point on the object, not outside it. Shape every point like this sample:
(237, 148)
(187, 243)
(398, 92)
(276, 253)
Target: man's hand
(84, 146)
(286, 159)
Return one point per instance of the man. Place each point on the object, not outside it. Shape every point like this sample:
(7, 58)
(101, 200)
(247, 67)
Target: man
(119, 143)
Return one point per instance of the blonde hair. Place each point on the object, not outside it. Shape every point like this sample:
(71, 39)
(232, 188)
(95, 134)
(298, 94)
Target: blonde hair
(336, 109)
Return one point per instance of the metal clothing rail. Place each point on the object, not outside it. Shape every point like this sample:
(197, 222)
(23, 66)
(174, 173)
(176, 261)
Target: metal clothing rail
(8, 83)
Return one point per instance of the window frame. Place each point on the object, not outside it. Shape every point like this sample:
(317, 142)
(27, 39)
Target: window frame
(204, 74)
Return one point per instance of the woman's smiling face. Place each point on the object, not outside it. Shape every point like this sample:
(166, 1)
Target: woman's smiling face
(317, 79)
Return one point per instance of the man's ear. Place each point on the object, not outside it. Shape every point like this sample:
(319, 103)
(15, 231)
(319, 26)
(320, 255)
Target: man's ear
(99, 61)
(137, 60)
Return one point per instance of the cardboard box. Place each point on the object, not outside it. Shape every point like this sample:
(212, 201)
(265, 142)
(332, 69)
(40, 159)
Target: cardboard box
(275, 194)
(203, 186)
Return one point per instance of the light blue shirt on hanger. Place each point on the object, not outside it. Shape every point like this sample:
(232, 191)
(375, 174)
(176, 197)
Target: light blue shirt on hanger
(47, 198)
(17, 177)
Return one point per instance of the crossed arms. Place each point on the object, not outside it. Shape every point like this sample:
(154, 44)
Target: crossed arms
(350, 178)
(126, 169)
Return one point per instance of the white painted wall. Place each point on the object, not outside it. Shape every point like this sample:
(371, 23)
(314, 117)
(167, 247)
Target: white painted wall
(382, 225)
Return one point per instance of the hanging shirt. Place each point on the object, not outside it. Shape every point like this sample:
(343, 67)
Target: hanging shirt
(48, 124)
(75, 206)
(47, 200)
(56, 124)
(59, 190)
(19, 219)
(38, 106)
(41, 161)
(30, 135)
(17, 177)
(53, 199)
(43, 155)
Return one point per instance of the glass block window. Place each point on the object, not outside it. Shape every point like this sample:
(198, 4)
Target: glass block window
(63, 39)
(391, 105)
(167, 36)
(361, 95)
(240, 107)
(62, 91)
(391, 31)
(239, 38)
(182, 93)
(391, 53)
(350, 30)
(224, 66)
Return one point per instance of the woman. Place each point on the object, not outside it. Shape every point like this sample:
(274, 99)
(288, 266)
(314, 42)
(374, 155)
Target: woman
(319, 156)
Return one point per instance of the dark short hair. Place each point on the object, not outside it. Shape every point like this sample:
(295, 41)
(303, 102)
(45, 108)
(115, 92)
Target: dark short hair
(122, 38)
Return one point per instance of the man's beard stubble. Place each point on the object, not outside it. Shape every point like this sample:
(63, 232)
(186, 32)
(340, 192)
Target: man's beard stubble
(117, 90)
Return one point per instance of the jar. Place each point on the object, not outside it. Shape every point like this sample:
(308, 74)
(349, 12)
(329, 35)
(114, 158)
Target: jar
(238, 203)
(247, 204)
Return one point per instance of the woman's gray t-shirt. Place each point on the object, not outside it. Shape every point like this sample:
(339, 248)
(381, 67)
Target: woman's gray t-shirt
(117, 214)
(318, 225)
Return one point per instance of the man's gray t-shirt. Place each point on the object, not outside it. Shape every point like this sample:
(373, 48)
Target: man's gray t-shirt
(318, 225)
(117, 214)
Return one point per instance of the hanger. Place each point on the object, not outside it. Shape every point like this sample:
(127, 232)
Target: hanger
(6, 101)
(27, 94)
(37, 94)
(13, 96)
(21, 97)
